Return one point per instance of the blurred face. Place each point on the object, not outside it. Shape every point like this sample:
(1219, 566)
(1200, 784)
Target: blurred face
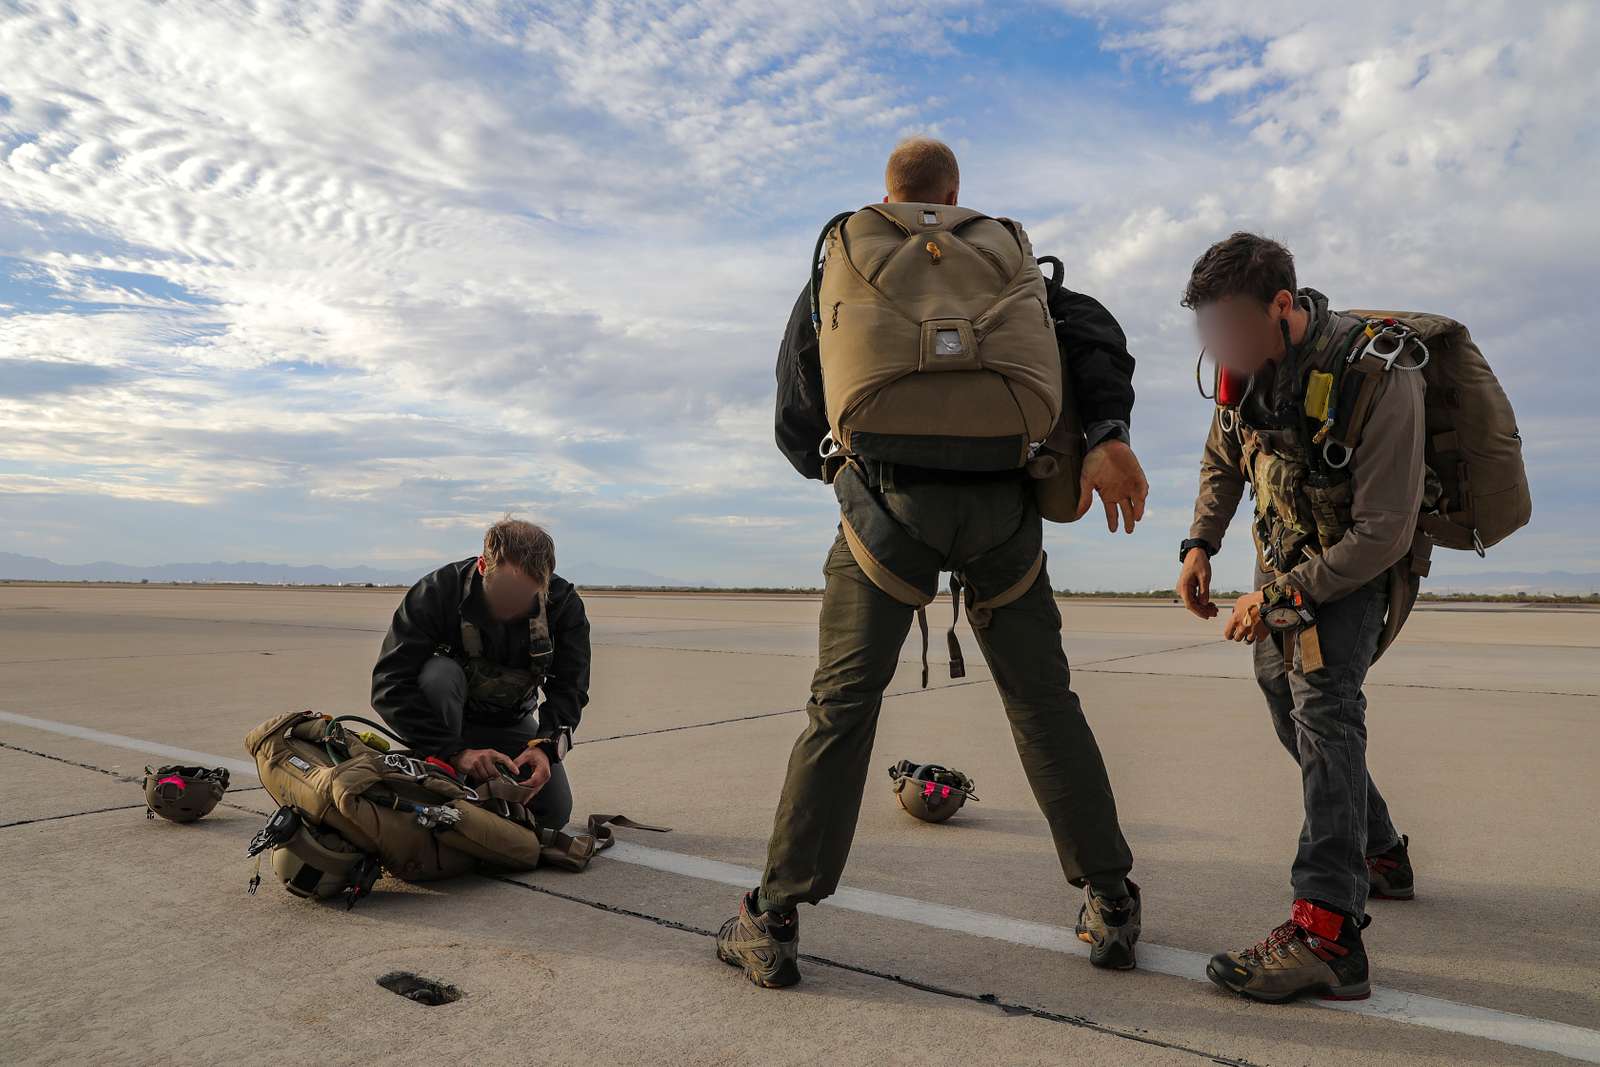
(1241, 333)
(510, 592)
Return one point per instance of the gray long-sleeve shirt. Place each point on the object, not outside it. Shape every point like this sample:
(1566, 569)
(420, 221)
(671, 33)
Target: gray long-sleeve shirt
(1386, 475)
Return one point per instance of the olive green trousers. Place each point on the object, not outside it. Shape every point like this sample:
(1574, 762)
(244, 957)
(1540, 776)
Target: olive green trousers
(861, 632)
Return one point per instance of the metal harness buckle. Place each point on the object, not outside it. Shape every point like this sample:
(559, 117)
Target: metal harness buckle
(1397, 334)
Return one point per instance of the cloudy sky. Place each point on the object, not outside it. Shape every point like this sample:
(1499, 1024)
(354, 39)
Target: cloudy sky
(340, 282)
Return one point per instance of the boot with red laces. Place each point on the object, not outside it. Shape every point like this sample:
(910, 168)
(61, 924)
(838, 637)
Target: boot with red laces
(1318, 951)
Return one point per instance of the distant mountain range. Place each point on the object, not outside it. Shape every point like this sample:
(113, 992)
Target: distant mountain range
(35, 569)
(1563, 583)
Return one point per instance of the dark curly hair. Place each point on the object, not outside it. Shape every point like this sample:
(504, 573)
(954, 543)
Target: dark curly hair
(1245, 264)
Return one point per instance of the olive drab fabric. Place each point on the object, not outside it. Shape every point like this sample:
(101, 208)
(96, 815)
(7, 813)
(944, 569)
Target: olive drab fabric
(1473, 445)
(500, 694)
(1056, 487)
(936, 344)
(360, 796)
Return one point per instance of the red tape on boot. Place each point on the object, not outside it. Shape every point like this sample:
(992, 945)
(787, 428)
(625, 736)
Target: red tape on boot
(1317, 921)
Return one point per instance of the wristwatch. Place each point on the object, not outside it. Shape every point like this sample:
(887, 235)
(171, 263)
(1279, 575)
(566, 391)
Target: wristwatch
(1285, 608)
(556, 746)
(1195, 542)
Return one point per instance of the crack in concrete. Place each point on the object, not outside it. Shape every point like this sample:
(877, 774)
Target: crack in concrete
(989, 999)
(118, 775)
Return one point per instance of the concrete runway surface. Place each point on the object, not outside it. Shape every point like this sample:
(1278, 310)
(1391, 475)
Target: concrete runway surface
(133, 941)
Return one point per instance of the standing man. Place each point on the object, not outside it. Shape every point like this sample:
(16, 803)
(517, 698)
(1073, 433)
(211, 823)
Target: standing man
(468, 655)
(935, 485)
(1329, 525)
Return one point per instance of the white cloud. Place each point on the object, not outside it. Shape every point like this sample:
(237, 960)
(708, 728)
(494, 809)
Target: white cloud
(433, 260)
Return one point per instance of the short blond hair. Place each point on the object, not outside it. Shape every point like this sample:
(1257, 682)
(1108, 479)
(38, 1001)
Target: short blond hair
(520, 544)
(921, 170)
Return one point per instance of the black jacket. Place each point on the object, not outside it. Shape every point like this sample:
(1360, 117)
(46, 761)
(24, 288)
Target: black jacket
(429, 618)
(1094, 357)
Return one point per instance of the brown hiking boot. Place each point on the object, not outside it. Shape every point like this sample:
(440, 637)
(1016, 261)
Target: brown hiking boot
(1389, 874)
(765, 945)
(1317, 951)
(1111, 929)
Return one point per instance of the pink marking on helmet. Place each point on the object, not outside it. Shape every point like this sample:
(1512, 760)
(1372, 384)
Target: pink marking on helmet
(927, 789)
(172, 779)
(946, 793)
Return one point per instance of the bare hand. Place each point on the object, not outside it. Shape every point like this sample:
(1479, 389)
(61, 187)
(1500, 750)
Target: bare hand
(1194, 584)
(538, 760)
(1245, 624)
(480, 764)
(1112, 470)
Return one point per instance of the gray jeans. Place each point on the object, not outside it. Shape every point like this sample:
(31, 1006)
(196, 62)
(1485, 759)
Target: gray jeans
(1321, 718)
(444, 684)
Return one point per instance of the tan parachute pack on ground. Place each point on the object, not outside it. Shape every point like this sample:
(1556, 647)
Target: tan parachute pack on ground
(1472, 447)
(419, 822)
(350, 794)
(935, 338)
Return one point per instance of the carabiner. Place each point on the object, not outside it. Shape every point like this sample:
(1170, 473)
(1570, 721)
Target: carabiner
(1396, 334)
(1328, 459)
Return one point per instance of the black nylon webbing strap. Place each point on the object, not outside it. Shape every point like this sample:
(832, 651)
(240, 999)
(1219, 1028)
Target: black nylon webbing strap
(958, 665)
(922, 622)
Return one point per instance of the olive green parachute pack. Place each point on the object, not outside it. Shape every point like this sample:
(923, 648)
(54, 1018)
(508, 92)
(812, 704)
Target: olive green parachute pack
(1476, 493)
(1473, 445)
(938, 353)
(935, 339)
(354, 802)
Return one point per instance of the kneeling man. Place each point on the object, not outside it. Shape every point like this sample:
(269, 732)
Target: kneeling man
(471, 649)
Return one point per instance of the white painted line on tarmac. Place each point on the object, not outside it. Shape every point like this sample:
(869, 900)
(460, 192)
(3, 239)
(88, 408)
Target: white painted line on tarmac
(135, 744)
(1470, 1020)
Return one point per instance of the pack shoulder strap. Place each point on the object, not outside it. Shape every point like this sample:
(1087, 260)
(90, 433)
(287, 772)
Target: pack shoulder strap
(471, 640)
(1361, 374)
(816, 266)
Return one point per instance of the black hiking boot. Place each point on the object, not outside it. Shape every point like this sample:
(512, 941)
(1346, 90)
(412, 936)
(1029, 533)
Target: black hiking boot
(1389, 873)
(1317, 951)
(766, 945)
(1111, 928)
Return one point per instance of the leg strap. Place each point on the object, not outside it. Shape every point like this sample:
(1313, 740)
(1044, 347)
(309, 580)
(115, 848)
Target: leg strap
(922, 622)
(958, 665)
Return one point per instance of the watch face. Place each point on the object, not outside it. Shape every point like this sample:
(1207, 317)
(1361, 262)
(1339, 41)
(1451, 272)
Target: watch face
(1280, 616)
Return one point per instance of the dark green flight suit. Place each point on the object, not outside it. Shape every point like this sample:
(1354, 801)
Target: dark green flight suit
(990, 531)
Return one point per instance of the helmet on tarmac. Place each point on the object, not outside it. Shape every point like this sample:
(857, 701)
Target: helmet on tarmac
(928, 791)
(183, 794)
(320, 864)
